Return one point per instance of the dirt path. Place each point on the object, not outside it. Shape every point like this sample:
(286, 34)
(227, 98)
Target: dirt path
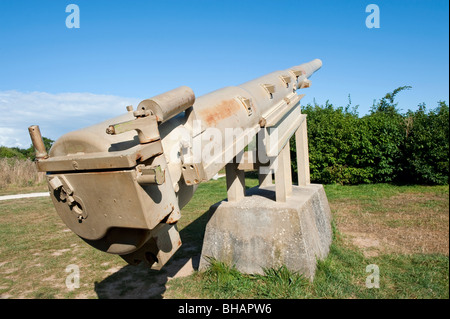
(18, 196)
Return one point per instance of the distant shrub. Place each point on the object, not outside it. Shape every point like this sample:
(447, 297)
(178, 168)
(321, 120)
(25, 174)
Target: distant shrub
(383, 146)
(11, 152)
(426, 147)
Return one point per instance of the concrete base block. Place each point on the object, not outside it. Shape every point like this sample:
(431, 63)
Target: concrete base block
(257, 232)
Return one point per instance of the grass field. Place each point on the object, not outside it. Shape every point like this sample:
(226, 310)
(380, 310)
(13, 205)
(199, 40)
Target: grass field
(401, 229)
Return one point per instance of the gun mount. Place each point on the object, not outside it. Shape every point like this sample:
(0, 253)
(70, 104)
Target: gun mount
(120, 184)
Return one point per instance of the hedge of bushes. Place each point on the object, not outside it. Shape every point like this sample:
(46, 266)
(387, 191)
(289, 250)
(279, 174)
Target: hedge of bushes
(22, 153)
(383, 146)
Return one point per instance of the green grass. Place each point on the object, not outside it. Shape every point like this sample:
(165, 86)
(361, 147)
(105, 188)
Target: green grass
(341, 275)
(374, 192)
(37, 247)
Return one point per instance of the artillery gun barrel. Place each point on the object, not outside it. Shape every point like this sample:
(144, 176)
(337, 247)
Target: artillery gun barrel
(120, 184)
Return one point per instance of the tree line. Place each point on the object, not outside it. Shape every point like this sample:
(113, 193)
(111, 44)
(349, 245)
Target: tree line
(23, 153)
(384, 146)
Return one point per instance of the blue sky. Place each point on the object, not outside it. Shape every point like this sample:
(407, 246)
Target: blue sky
(132, 50)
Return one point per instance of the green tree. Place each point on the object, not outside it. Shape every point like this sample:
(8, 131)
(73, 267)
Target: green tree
(426, 147)
(387, 103)
(24, 153)
(383, 146)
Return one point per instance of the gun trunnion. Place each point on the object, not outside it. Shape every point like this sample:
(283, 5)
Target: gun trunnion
(120, 184)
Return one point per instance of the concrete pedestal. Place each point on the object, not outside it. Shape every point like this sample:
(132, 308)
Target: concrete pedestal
(257, 232)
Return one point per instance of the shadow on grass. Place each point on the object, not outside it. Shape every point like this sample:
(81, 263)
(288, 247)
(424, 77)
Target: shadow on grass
(140, 282)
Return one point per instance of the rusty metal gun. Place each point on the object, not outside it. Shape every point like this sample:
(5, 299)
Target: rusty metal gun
(120, 184)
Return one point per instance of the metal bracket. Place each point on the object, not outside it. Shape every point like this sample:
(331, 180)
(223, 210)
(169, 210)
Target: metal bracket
(66, 194)
(191, 174)
(247, 104)
(150, 175)
(269, 88)
(145, 124)
(304, 84)
(286, 80)
(297, 73)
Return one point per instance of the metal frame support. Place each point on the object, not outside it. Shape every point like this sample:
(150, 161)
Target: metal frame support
(283, 176)
(301, 142)
(235, 182)
(265, 175)
(265, 179)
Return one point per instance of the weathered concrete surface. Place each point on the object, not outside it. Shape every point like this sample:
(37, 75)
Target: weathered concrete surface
(257, 232)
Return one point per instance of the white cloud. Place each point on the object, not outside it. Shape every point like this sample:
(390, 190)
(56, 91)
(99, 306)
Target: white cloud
(56, 114)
